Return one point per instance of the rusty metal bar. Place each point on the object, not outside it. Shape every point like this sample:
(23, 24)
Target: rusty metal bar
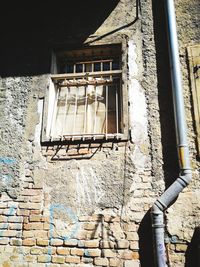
(75, 110)
(95, 109)
(106, 110)
(85, 114)
(117, 109)
(65, 114)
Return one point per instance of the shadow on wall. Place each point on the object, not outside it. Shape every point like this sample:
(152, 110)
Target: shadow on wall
(168, 136)
(170, 166)
(30, 32)
(146, 241)
(193, 251)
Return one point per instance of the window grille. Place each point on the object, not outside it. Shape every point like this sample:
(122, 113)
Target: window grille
(85, 100)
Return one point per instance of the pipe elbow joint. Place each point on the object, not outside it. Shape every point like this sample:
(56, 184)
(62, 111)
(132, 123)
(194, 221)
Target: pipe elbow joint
(186, 176)
(157, 208)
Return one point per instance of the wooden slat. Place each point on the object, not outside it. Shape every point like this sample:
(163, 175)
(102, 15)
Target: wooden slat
(84, 74)
(194, 60)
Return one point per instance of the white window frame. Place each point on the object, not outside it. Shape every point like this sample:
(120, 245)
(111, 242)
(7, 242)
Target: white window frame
(64, 79)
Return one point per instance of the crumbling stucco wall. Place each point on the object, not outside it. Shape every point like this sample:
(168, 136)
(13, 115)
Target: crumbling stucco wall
(57, 210)
(83, 212)
(183, 215)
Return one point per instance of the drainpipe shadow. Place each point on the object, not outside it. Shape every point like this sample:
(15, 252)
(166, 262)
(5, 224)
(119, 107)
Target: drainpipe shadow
(192, 254)
(146, 241)
(168, 136)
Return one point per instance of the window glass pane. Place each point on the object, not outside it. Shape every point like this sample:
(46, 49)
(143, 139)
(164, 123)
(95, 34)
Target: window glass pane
(97, 66)
(100, 109)
(88, 67)
(59, 113)
(106, 66)
(69, 68)
(84, 109)
(112, 109)
(115, 65)
(79, 68)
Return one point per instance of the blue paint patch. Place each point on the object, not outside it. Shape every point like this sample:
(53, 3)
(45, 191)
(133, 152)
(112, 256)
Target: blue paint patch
(11, 213)
(7, 178)
(7, 160)
(68, 211)
(86, 253)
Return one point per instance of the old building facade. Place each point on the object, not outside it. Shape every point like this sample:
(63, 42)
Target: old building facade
(74, 196)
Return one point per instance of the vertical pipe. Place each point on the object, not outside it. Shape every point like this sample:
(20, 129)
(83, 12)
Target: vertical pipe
(163, 202)
(159, 245)
(179, 112)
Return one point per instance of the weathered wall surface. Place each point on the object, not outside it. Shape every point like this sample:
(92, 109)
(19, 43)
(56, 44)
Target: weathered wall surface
(64, 211)
(60, 210)
(183, 216)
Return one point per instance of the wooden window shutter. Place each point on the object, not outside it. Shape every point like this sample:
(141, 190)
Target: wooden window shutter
(194, 65)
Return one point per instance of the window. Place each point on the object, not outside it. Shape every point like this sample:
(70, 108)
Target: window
(194, 64)
(85, 97)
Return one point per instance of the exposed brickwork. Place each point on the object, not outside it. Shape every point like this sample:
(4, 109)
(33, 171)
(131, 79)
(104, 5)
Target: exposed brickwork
(38, 244)
(87, 204)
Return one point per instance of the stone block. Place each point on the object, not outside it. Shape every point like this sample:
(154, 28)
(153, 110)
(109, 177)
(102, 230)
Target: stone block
(4, 219)
(72, 259)
(3, 226)
(122, 244)
(30, 206)
(77, 251)
(181, 247)
(29, 258)
(15, 242)
(33, 226)
(35, 218)
(114, 262)
(9, 233)
(106, 244)
(91, 243)
(31, 192)
(44, 258)
(15, 219)
(108, 253)
(15, 226)
(4, 241)
(63, 251)
(29, 242)
(129, 255)
(131, 263)
(42, 242)
(132, 236)
(36, 251)
(71, 242)
(58, 259)
(101, 262)
(56, 242)
(92, 252)
(22, 212)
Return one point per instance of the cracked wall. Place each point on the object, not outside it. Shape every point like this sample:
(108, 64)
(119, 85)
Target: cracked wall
(59, 210)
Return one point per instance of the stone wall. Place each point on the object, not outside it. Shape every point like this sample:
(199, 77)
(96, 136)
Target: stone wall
(183, 215)
(59, 209)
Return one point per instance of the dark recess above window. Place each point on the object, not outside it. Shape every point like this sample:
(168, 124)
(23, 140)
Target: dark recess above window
(29, 31)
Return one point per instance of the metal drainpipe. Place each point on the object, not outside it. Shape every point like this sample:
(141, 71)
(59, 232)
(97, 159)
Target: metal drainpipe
(185, 176)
